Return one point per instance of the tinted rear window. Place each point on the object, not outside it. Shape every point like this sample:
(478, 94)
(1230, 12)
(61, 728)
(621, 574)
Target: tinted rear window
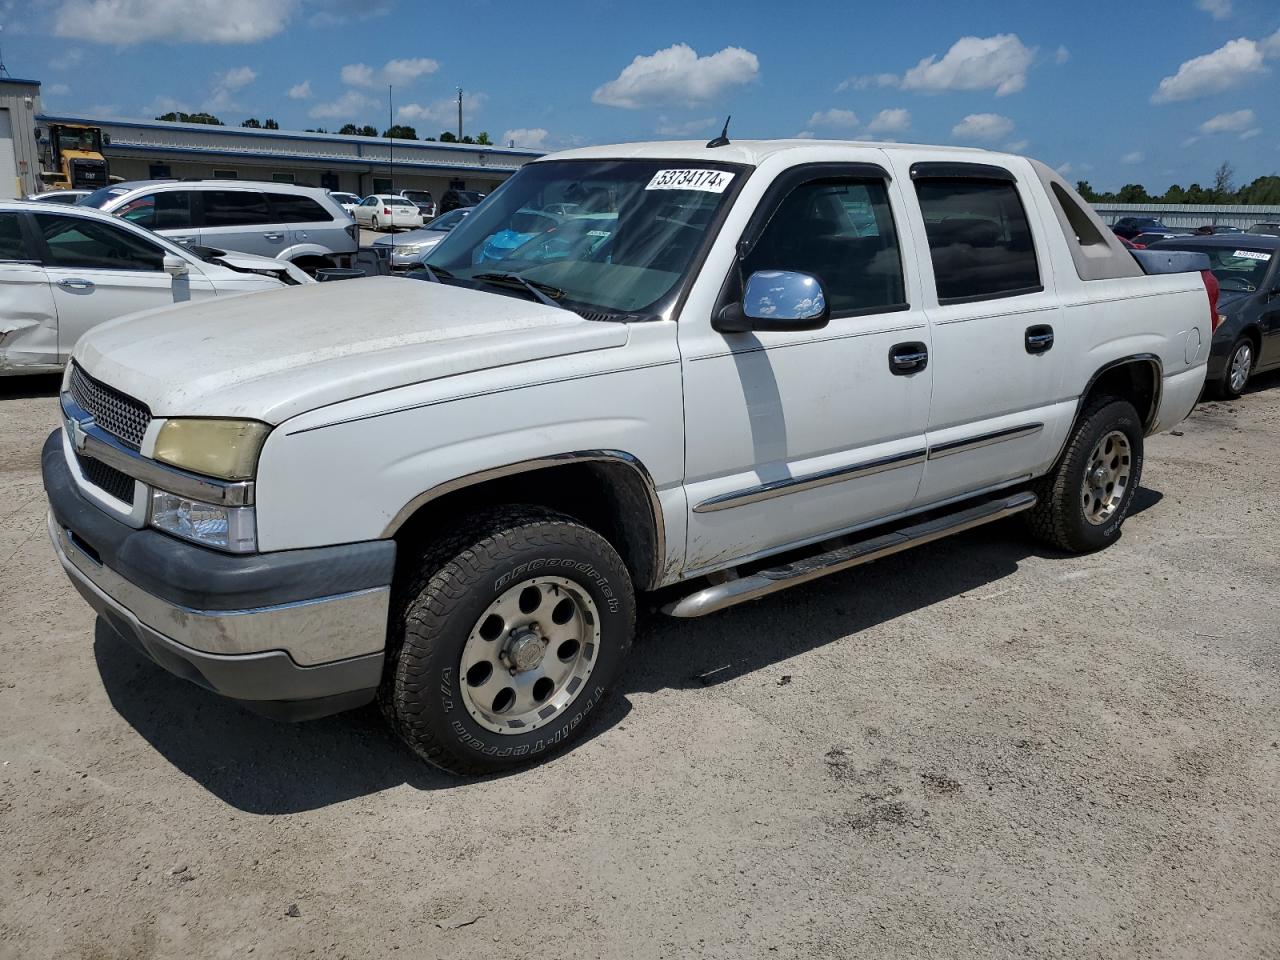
(979, 239)
(12, 246)
(235, 208)
(291, 208)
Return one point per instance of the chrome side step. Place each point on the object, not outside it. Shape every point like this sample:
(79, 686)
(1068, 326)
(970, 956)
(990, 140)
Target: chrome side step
(764, 582)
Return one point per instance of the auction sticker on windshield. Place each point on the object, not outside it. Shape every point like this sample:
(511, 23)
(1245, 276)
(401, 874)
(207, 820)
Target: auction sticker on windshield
(708, 181)
(1252, 255)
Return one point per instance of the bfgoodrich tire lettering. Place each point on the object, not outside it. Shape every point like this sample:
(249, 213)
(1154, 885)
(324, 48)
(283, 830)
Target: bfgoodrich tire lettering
(1105, 447)
(453, 589)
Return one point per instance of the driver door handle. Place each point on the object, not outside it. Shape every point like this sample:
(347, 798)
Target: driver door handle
(908, 358)
(273, 236)
(75, 283)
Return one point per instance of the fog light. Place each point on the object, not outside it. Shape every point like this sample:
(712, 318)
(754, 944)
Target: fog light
(233, 529)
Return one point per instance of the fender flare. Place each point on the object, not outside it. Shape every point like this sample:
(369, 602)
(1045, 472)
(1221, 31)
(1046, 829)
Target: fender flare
(617, 457)
(304, 250)
(1152, 417)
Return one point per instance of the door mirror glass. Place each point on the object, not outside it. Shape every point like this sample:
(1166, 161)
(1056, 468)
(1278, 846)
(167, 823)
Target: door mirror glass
(175, 266)
(791, 299)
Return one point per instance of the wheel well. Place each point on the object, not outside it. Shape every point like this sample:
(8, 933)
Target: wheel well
(312, 261)
(1136, 380)
(611, 497)
(1254, 334)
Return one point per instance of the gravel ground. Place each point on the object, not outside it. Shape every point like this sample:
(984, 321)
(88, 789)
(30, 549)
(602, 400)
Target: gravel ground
(978, 749)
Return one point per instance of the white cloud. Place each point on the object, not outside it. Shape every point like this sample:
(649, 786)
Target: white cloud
(534, 138)
(1232, 122)
(162, 104)
(1061, 56)
(394, 72)
(678, 75)
(895, 120)
(689, 128)
(834, 118)
(226, 84)
(300, 91)
(1228, 66)
(984, 127)
(129, 22)
(358, 75)
(1132, 158)
(1190, 140)
(1271, 45)
(67, 59)
(56, 90)
(1017, 146)
(347, 107)
(805, 135)
(1064, 169)
(443, 112)
(975, 63)
(1218, 9)
(869, 81)
(1250, 134)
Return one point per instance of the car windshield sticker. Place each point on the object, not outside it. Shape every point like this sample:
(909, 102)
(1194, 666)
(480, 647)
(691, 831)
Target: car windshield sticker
(1252, 255)
(708, 181)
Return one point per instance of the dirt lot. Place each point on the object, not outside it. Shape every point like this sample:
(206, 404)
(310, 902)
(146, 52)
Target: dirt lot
(979, 749)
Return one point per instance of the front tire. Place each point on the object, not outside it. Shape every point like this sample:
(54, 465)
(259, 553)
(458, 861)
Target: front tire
(1085, 499)
(510, 631)
(1239, 367)
(374, 220)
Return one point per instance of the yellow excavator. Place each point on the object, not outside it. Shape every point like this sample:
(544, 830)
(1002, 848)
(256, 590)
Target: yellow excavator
(71, 157)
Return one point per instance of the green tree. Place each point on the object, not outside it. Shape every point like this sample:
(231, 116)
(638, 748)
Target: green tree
(448, 137)
(484, 138)
(1133, 193)
(1198, 194)
(1085, 189)
(1175, 194)
(349, 130)
(467, 139)
(315, 130)
(368, 131)
(270, 124)
(1264, 190)
(177, 116)
(400, 132)
(1224, 183)
(252, 123)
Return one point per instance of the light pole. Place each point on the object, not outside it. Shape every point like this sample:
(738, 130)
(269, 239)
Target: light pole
(459, 114)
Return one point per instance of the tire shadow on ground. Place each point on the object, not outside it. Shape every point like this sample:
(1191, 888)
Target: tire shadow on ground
(267, 767)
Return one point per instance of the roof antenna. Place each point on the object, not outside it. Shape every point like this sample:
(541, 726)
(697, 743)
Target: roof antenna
(723, 139)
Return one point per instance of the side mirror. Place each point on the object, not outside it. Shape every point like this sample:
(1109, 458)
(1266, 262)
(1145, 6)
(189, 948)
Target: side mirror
(175, 266)
(777, 300)
(106, 139)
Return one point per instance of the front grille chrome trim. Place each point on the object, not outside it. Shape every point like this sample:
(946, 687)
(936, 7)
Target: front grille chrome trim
(88, 439)
(114, 412)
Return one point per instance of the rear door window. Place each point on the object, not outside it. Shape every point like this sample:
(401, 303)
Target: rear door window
(979, 239)
(168, 210)
(84, 244)
(235, 208)
(292, 208)
(12, 244)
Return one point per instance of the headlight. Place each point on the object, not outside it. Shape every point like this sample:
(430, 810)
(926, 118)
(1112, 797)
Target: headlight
(227, 449)
(233, 529)
(410, 248)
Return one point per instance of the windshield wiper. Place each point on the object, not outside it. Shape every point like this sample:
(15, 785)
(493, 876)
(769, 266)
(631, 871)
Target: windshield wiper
(542, 292)
(435, 274)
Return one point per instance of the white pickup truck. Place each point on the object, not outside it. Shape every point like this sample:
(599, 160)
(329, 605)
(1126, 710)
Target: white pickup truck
(717, 370)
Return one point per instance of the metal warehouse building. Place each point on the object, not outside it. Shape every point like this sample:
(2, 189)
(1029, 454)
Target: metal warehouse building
(140, 150)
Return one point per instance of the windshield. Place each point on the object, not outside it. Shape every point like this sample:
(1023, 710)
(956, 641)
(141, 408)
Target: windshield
(418, 196)
(88, 141)
(102, 196)
(447, 221)
(1238, 269)
(631, 234)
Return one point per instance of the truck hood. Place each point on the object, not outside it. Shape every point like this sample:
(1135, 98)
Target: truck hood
(273, 355)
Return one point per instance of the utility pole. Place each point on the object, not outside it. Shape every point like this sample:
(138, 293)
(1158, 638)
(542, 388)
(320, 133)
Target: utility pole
(459, 114)
(391, 143)
(4, 72)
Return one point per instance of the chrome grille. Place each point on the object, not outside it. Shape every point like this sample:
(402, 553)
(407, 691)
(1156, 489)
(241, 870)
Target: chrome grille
(107, 478)
(119, 415)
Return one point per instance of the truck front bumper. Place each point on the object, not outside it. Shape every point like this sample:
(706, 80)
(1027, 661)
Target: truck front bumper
(292, 635)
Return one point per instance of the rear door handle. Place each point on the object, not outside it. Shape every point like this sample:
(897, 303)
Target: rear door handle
(908, 358)
(1039, 338)
(183, 240)
(75, 283)
(273, 236)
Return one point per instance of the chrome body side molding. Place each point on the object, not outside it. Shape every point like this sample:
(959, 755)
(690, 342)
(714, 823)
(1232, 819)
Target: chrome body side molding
(985, 440)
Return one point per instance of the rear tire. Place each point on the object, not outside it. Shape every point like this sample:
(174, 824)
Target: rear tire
(374, 221)
(1086, 497)
(517, 620)
(1235, 377)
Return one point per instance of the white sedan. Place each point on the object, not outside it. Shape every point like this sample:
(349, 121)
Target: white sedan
(66, 269)
(348, 201)
(385, 211)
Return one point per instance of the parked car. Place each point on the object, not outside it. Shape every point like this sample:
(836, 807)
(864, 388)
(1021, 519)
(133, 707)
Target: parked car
(303, 225)
(348, 201)
(1266, 229)
(406, 250)
(1246, 338)
(384, 211)
(740, 389)
(423, 200)
(1130, 227)
(453, 199)
(1144, 240)
(60, 196)
(64, 270)
(1222, 228)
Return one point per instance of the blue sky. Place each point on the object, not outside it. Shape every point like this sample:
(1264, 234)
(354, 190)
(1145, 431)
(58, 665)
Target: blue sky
(1148, 91)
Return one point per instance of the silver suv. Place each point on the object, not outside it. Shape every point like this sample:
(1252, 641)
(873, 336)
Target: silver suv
(303, 225)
